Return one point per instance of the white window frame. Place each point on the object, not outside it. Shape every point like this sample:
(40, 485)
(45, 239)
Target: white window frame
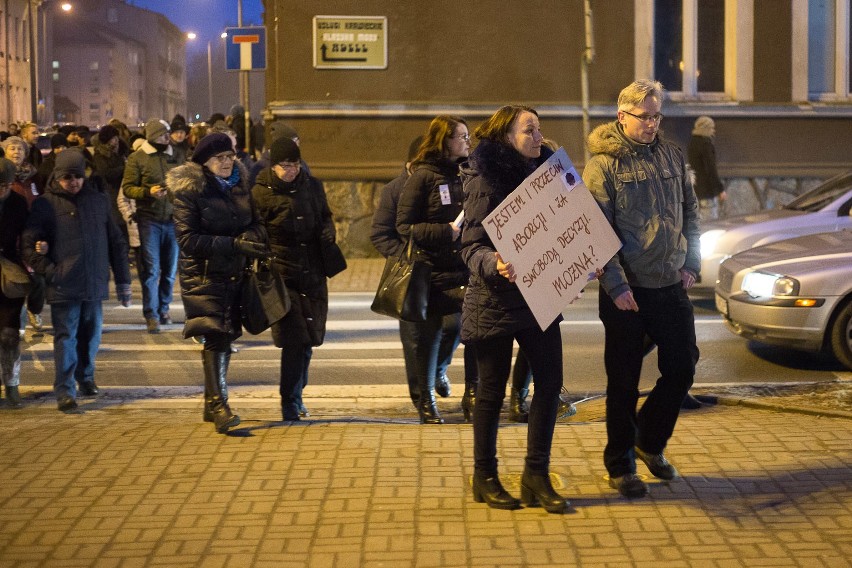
(842, 53)
(739, 50)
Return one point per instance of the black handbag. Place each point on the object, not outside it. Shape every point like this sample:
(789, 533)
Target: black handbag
(404, 288)
(15, 281)
(333, 262)
(264, 299)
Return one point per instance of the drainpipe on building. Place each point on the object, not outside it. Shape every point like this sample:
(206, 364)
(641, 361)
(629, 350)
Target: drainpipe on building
(587, 58)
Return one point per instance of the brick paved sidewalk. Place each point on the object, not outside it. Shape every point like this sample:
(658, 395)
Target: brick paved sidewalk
(132, 485)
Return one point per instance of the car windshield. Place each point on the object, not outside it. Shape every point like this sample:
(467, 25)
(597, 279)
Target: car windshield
(822, 195)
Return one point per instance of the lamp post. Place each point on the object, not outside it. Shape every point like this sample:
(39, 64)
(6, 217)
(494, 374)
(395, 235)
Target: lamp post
(38, 60)
(192, 36)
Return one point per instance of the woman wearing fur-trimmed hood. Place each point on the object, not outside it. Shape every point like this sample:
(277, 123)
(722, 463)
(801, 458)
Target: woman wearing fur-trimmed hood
(217, 230)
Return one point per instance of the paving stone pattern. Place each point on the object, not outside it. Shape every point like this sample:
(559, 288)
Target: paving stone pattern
(130, 486)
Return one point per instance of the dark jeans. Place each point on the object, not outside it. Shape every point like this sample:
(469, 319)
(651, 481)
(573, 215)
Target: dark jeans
(424, 340)
(160, 256)
(77, 336)
(494, 358)
(295, 360)
(410, 334)
(665, 315)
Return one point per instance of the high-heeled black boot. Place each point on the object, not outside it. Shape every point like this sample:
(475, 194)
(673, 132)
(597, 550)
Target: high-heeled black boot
(468, 401)
(428, 409)
(537, 490)
(215, 381)
(489, 490)
(518, 409)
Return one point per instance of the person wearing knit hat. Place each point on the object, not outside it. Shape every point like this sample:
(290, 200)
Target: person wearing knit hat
(284, 150)
(286, 196)
(156, 129)
(72, 241)
(145, 181)
(13, 219)
(107, 133)
(177, 137)
(277, 130)
(58, 141)
(219, 232)
(701, 155)
(211, 145)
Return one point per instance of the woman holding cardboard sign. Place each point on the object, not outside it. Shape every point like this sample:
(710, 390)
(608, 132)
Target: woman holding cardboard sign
(495, 313)
(428, 210)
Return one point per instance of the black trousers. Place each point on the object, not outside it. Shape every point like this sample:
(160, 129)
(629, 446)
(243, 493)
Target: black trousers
(666, 316)
(494, 359)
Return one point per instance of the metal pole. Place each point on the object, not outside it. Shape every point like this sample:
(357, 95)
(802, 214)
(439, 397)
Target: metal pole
(210, 78)
(244, 84)
(586, 59)
(33, 87)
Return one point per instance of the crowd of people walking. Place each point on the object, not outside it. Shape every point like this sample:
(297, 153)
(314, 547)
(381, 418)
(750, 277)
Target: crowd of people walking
(192, 204)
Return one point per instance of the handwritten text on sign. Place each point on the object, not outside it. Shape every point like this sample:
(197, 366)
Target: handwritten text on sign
(552, 231)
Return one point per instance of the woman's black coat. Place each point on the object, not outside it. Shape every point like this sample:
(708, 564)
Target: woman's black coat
(423, 215)
(493, 306)
(298, 220)
(208, 218)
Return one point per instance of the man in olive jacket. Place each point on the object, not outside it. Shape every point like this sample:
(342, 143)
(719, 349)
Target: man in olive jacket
(145, 181)
(641, 185)
(72, 240)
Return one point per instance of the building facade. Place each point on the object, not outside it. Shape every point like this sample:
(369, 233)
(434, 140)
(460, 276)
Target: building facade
(16, 88)
(774, 74)
(106, 59)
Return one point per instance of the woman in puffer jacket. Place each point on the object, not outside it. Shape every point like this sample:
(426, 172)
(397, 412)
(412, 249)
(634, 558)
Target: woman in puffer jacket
(495, 313)
(429, 205)
(217, 230)
(293, 208)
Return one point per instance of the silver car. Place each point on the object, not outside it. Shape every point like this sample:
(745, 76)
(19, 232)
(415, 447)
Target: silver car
(824, 208)
(795, 293)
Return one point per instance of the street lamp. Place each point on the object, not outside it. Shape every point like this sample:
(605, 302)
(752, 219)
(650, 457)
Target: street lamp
(193, 36)
(35, 69)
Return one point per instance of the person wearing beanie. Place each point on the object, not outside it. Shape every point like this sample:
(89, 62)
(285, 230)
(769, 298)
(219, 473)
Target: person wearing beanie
(179, 132)
(218, 230)
(701, 155)
(13, 218)
(145, 181)
(72, 241)
(108, 169)
(293, 208)
(278, 129)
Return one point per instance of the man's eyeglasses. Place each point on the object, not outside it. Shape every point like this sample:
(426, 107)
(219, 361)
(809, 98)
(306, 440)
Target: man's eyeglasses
(465, 137)
(289, 165)
(229, 157)
(71, 177)
(655, 118)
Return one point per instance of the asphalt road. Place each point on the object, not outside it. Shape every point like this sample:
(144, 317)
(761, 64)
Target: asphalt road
(363, 349)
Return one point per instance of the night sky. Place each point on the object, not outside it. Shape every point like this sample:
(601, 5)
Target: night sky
(207, 18)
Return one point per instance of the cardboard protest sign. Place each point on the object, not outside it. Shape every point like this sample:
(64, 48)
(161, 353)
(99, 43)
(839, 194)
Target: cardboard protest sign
(552, 231)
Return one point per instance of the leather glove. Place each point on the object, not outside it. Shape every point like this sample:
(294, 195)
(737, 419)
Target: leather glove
(122, 291)
(251, 249)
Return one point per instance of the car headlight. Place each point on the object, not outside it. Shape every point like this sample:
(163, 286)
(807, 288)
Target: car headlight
(764, 285)
(708, 241)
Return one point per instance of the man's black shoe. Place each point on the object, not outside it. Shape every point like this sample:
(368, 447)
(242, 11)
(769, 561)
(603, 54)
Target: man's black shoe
(629, 485)
(658, 465)
(89, 388)
(66, 404)
(690, 403)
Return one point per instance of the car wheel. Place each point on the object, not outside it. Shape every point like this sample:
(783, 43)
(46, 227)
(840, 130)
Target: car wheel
(841, 335)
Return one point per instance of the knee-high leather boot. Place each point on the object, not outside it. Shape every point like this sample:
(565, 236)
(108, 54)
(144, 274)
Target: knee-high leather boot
(10, 365)
(468, 401)
(215, 382)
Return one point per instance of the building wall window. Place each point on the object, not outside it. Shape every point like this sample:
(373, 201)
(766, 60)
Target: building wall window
(828, 49)
(698, 49)
(93, 66)
(55, 64)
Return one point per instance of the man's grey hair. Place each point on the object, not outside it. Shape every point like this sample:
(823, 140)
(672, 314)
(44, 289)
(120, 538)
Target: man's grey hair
(636, 92)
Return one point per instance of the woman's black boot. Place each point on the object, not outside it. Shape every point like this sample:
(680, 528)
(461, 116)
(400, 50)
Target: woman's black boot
(518, 409)
(537, 490)
(468, 401)
(215, 382)
(489, 490)
(427, 408)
